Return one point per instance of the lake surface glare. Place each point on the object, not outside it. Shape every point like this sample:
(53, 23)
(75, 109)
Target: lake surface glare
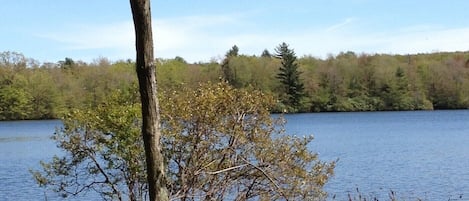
(420, 154)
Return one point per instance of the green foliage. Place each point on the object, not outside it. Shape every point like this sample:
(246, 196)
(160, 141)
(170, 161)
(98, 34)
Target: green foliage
(67, 63)
(289, 76)
(229, 72)
(266, 53)
(219, 143)
(14, 103)
(252, 71)
(32, 92)
(45, 96)
(172, 73)
(13, 60)
(346, 82)
(103, 152)
(15, 99)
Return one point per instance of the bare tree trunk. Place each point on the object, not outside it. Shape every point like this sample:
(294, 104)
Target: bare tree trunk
(150, 109)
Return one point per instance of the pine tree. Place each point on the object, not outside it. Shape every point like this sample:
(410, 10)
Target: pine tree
(229, 74)
(266, 54)
(289, 77)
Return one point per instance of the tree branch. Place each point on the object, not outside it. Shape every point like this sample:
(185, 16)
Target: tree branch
(101, 170)
(267, 176)
(227, 169)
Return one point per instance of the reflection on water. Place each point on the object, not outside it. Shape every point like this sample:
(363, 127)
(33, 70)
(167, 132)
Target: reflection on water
(22, 145)
(23, 138)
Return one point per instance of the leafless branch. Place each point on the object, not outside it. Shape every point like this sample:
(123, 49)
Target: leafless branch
(227, 169)
(267, 176)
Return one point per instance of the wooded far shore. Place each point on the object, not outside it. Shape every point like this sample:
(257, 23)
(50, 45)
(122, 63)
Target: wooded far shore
(344, 82)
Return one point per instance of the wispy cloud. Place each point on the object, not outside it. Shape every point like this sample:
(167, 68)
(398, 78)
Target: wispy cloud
(200, 38)
(79, 37)
(404, 40)
(340, 25)
(428, 40)
(194, 37)
(177, 33)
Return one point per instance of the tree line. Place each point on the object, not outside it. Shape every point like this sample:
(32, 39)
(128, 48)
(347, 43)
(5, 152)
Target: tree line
(344, 82)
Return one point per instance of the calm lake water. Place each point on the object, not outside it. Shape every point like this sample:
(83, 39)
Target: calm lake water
(22, 145)
(422, 154)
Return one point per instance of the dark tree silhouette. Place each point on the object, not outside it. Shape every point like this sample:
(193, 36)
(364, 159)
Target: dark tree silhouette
(229, 73)
(289, 76)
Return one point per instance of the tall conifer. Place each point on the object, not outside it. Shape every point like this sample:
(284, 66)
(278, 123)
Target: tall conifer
(289, 77)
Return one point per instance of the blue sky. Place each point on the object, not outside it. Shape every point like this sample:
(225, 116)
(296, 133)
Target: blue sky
(202, 30)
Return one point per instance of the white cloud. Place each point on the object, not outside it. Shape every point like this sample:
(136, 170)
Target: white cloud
(201, 44)
(80, 37)
(418, 39)
(429, 40)
(196, 38)
(340, 25)
(200, 38)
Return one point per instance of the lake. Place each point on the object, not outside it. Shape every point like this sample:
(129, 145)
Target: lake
(417, 154)
(420, 154)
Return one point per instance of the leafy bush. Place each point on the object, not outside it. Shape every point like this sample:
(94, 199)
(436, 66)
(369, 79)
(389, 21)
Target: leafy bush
(219, 143)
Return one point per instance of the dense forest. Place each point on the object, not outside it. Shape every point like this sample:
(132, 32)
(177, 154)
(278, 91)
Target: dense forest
(344, 82)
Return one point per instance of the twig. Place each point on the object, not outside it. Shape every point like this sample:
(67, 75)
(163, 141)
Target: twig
(268, 177)
(228, 169)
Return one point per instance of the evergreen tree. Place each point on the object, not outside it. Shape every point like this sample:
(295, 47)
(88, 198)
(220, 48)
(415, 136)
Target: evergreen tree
(289, 77)
(67, 63)
(229, 74)
(266, 53)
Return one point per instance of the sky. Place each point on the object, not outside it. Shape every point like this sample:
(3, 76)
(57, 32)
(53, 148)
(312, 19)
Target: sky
(204, 30)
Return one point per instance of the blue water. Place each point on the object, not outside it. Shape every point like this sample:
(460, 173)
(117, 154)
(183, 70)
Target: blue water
(22, 145)
(422, 154)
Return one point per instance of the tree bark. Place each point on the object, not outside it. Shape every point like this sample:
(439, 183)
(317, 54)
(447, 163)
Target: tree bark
(146, 69)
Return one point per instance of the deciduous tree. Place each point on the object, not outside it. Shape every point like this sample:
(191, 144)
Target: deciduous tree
(103, 152)
(221, 143)
(146, 73)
